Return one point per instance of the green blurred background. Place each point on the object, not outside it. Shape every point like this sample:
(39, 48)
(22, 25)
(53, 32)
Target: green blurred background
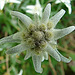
(11, 65)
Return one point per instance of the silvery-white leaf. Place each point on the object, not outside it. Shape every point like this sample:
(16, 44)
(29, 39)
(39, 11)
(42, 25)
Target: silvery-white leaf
(21, 72)
(17, 35)
(36, 19)
(9, 39)
(25, 19)
(59, 33)
(58, 1)
(37, 63)
(46, 14)
(45, 54)
(64, 59)
(28, 54)
(13, 1)
(52, 52)
(55, 19)
(17, 49)
(68, 5)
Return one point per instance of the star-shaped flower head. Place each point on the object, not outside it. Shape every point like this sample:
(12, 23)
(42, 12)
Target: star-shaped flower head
(3, 2)
(39, 37)
(67, 3)
(32, 9)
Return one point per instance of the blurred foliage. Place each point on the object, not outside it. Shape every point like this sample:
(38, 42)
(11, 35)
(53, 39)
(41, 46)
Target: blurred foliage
(11, 65)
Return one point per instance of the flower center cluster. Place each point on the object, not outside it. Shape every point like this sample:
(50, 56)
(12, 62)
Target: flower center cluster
(37, 37)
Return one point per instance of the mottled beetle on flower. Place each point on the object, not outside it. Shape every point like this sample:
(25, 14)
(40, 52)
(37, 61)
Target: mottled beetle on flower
(38, 37)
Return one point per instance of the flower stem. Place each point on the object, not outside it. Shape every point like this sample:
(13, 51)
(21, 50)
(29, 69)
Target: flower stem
(51, 66)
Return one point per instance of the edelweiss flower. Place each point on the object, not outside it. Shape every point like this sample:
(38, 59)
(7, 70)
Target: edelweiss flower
(32, 9)
(67, 3)
(3, 2)
(38, 37)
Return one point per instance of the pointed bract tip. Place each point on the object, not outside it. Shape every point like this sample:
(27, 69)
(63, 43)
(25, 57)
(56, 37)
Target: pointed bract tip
(69, 60)
(73, 28)
(63, 10)
(40, 71)
(49, 5)
(59, 60)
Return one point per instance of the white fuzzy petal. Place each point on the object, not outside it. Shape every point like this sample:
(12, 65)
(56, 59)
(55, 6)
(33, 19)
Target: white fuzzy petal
(45, 54)
(17, 49)
(36, 19)
(46, 14)
(9, 39)
(37, 63)
(53, 53)
(28, 55)
(17, 35)
(64, 59)
(63, 1)
(31, 7)
(58, 1)
(30, 11)
(14, 1)
(68, 5)
(59, 33)
(21, 72)
(25, 19)
(55, 19)
(37, 2)
(42, 58)
(2, 3)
